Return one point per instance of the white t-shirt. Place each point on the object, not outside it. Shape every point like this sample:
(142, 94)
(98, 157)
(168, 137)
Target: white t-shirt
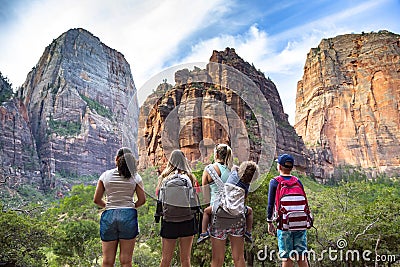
(119, 190)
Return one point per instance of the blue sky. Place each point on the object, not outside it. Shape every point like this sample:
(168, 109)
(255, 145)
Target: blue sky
(154, 35)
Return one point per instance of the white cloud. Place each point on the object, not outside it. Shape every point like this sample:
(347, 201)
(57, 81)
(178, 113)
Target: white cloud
(282, 56)
(255, 46)
(149, 34)
(146, 32)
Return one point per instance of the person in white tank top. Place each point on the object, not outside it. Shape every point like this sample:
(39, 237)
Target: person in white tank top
(118, 222)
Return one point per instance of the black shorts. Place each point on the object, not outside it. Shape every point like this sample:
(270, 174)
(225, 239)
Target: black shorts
(174, 230)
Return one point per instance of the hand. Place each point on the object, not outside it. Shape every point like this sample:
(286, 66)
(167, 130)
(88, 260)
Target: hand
(271, 229)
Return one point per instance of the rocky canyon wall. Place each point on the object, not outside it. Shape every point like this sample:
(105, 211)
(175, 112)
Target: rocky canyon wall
(208, 111)
(18, 157)
(347, 104)
(80, 104)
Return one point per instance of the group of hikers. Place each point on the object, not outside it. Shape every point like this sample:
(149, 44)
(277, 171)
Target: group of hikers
(224, 186)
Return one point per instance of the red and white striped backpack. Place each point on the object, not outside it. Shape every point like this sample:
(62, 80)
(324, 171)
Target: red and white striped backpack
(291, 211)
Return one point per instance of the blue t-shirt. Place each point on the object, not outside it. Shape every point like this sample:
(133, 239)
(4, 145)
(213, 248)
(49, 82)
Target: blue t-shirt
(235, 180)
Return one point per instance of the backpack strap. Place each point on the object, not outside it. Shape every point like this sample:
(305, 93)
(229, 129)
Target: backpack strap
(217, 180)
(214, 175)
(292, 181)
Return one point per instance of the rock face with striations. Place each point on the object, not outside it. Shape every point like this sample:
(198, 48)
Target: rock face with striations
(216, 114)
(18, 157)
(287, 141)
(81, 107)
(347, 103)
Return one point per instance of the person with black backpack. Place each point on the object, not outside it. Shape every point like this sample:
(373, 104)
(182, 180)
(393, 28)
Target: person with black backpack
(288, 208)
(177, 207)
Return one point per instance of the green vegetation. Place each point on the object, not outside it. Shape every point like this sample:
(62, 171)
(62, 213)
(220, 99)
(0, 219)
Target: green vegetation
(96, 106)
(64, 128)
(251, 127)
(5, 89)
(5, 95)
(365, 213)
(197, 85)
(22, 239)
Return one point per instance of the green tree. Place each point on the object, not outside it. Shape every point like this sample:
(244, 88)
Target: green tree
(76, 222)
(77, 243)
(22, 239)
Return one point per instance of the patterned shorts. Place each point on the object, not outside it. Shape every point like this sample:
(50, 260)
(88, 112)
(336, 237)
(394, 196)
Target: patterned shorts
(223, 234)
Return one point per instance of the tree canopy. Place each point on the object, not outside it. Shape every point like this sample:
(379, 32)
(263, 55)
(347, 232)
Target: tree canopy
(351, 216)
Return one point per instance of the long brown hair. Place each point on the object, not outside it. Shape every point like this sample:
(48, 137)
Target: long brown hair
(177, 162)
(126, 163)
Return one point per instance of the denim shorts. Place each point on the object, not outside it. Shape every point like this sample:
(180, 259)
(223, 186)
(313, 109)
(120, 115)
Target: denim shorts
(292, 244)
(118, 224)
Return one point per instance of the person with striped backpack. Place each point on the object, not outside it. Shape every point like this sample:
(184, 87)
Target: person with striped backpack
(288, 208)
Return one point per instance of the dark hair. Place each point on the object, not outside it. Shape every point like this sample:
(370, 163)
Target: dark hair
(122, 151)
(126, 163)
(248, 171)
(285, 170)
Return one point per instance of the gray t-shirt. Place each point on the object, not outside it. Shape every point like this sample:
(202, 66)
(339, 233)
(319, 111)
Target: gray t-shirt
(119, 190)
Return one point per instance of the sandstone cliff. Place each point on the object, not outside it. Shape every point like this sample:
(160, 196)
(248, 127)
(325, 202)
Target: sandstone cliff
(347, 103)
(77, 101)
(217, 105)
(287, 140)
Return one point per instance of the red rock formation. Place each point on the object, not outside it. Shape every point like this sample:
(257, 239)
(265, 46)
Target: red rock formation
(220, 104)
(347, 103)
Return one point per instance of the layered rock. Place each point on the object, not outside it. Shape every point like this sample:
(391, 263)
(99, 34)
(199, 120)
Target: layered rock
(347, 103)
(228, 102)
(81, 106)
(19, 163)
(287, 140)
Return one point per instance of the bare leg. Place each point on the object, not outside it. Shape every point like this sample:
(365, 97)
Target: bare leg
(168, 247)
(237, 244)
(126, 252)
(249, 219)
(287, 263)
(302, 262)
(206, 219)
(109, 251)
(185, 247)
(218, 252)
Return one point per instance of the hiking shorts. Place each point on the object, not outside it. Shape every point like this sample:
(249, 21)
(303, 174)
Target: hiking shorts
(292, 244)
(174, 230)
(222, 234)
(118, 224)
